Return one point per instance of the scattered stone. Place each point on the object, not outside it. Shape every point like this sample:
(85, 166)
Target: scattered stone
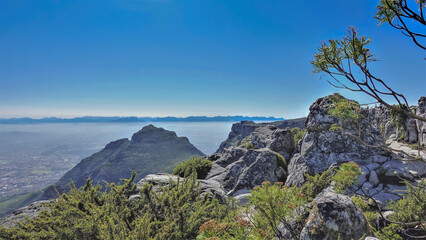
(30, 211)
(373, 178)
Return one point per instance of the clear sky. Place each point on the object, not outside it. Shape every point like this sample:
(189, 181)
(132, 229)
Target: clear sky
(183, 57)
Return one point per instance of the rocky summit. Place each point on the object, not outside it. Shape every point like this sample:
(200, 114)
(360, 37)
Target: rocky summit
(259, 157)
(241, 130)
(150, 150)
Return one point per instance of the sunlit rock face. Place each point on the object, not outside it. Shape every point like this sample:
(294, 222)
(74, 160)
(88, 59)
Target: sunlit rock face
(260, 156)
(321, 147)
(243, 129)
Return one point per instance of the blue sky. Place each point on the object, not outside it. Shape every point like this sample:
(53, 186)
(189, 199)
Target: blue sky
(187, 57)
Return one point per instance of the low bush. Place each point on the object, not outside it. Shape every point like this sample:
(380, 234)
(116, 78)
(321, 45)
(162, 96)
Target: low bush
(200, 166)
(175, 212)
(297, 135)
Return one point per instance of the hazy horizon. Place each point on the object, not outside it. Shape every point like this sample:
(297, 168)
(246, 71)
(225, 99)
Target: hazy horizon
(129, 116)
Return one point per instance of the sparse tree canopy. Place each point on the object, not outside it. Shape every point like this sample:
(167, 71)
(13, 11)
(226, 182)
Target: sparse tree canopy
(346, 61)
(403, 16)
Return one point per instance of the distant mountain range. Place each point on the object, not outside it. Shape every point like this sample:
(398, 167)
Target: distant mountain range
(91, 119)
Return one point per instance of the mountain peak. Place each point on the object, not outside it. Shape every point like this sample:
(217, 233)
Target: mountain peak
(152, 134)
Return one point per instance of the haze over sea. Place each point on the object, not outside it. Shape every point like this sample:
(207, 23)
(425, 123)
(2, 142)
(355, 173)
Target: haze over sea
(36, 155)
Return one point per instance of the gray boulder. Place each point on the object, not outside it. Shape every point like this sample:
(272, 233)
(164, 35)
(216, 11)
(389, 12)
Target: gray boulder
(239, 168)
(278, 140)
(334, 216)
(260, 156)
(241, 130)
(321, 147)
(163, 179)
(21, 214)
(421, 126)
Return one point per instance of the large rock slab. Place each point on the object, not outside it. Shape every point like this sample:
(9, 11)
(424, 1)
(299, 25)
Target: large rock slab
(21, 214)
(334, 216)
(278, 140)
(239, 168)
(164, 179)
(241, 130)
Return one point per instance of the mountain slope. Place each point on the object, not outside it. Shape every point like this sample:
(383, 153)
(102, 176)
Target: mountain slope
(150, 150)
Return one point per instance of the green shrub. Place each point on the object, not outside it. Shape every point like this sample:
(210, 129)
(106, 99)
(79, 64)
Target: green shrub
(412, 206)
(281, 161)
(371, 216)
(389, 232)
(408, 217)
(346, 176)
(245, 140)
(315, 184)
(397, 117)
(199, 165)
(415, 146)
(297, 135)
(345, 109)
(249, 145)
(275, 203)
(176, 212)
(238, 227)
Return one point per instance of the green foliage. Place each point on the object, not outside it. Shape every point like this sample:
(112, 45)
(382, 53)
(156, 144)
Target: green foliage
(346, 176)
(336, 128)
(178, 214)
(315, 184)
(398, 118)
(297, 135)
(363, 205)
(175, 212)
(249, 145)
(245, 140)
(274, 203)
(414, 146)
(281, 161)
(409, 213)
(345, 109)
(412, 206)
(237, 228)
(199, 165)
(387, 11)
(389, 232)
(333, 55)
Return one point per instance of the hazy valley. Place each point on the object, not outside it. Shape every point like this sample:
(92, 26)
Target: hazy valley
(33, 156)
